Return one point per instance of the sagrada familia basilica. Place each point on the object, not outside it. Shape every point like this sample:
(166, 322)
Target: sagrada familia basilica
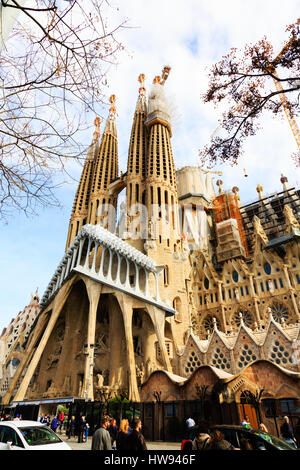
(178, 284)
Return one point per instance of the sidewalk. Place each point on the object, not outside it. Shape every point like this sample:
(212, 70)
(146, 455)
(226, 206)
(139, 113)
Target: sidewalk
(73, 442)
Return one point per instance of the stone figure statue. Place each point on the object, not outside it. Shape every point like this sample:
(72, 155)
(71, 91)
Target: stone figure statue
(100, 380)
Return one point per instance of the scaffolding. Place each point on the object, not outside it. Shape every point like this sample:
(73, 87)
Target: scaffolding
(270, 211)
(229, 228)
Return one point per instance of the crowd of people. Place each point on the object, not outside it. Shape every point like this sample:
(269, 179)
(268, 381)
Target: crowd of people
(124, 438)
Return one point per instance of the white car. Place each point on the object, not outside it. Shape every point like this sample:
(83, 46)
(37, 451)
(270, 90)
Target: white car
(29, 435)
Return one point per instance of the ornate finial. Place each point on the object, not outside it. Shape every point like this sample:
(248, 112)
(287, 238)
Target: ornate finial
(220, 184)
(142, 89)
(97, 122)
(284, 182)
(283, 179)
(156, 79)
(164, 75)
(260, 189)
(112, 109)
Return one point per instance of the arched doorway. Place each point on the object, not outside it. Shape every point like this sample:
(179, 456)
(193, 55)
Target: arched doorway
(248, 408)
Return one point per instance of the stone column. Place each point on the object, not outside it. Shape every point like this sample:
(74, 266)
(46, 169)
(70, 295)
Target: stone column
(58, 304)
(126, 307)
(222, 305)
(94, 291)
(253, 295)
(158, 319)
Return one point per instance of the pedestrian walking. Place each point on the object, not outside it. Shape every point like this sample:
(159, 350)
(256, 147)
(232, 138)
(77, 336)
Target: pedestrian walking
(82, 429)
(86, 432)
(136, 441)
(54, 424)
(190, 425)
(113, 431)
(202, 437)
(61, 418)
(47, 420)
(101, 438)
(287, 433)
(246, 422)
(71, 428)
(122, 435)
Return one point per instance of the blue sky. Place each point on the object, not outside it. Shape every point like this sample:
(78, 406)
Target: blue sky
(189, 36)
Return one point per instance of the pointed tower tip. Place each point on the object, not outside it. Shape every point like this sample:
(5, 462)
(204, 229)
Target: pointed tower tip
(97, 123)
(142, 89)
(112, 109)
(164, 75)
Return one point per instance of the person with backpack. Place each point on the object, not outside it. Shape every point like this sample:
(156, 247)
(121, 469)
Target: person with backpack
(202, 438)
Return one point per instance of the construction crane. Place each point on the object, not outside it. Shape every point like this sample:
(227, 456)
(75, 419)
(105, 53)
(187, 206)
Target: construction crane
(283, 98)
(220, 173)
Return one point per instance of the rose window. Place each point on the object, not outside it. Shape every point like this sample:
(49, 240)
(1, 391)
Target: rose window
(208, 323)
(279, 312)
(247, 319)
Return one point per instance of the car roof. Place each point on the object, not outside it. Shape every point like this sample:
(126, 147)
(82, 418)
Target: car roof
(232, 426)
(21, 424)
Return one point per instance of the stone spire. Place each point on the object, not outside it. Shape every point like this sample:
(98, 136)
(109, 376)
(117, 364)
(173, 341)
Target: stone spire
(79, 216)
(161, 185)
(105, 171)
(136, 169)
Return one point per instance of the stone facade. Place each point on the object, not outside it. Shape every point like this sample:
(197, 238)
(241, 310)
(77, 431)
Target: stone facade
(187, 287)
(13, 342)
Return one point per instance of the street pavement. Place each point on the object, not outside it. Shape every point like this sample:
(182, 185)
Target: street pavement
(75, 445)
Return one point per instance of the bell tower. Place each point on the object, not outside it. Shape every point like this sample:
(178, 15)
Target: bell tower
(160, 181)
(136, 172)
(79, 216)
(102, 206)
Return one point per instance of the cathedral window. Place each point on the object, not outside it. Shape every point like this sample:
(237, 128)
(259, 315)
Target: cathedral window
(247, 356)
(247, 318)
(192, 363)
(208, 323)
(219, 360)
(279, 312)
(279, 355)
(178, 308)
(169, 348)
(267, 268)
(235, 276)
(166, 276)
